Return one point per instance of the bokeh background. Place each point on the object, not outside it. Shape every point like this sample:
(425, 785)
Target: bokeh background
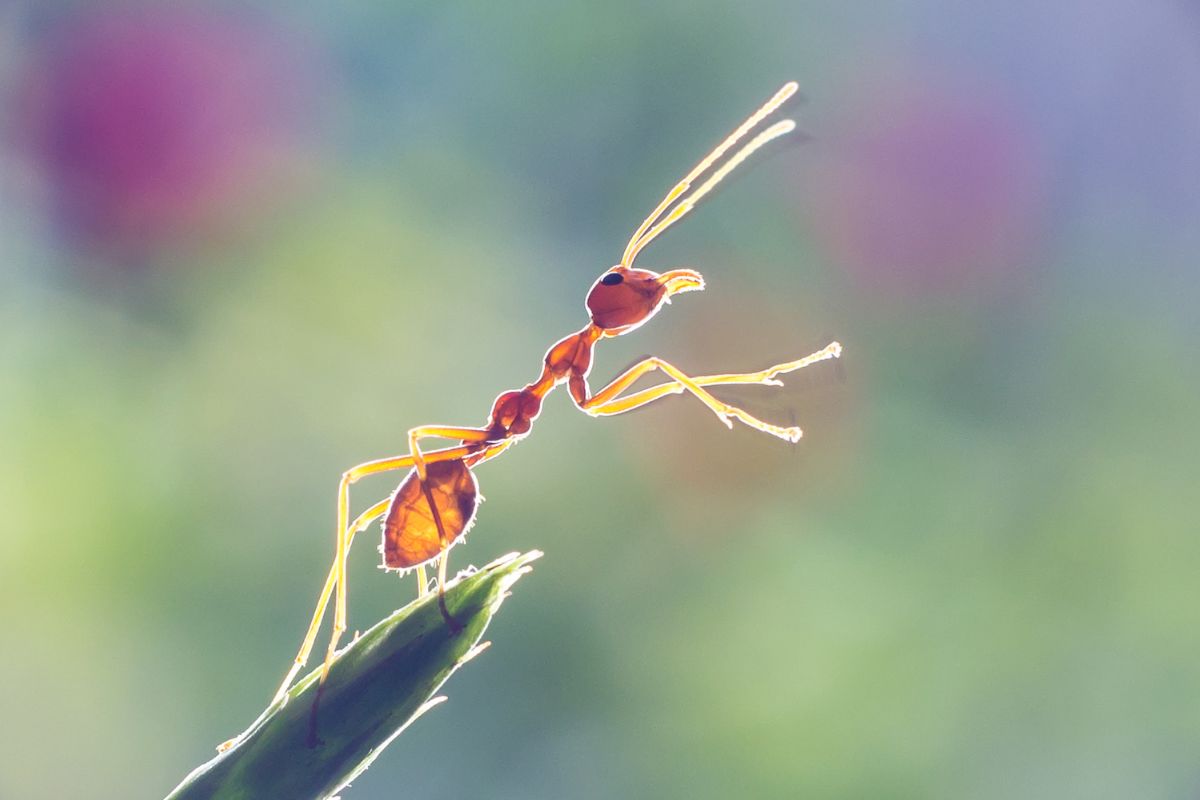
(242, 248)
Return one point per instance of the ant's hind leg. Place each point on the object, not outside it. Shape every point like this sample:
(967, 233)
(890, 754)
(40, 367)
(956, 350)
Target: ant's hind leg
(365, 519)
(349, 477)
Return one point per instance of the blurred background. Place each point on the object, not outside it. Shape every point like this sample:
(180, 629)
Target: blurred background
(245, 246)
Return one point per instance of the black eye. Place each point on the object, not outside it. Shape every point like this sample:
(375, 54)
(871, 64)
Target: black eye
(612, 279)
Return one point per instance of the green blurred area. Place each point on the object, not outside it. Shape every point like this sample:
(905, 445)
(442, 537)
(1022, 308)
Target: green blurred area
(976, 575)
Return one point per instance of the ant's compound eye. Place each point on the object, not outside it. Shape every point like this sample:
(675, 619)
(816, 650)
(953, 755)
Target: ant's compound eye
(612, 279)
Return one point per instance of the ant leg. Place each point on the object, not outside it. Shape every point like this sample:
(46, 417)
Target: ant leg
(422, 582)
(444, 559)
(365, 519)
(463, 435)
(607, 401)
(766, 377)
(607, 398)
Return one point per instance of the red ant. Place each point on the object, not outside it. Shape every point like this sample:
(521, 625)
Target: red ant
(437, 500)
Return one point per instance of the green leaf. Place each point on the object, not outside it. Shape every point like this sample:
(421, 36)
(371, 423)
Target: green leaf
(377, 686)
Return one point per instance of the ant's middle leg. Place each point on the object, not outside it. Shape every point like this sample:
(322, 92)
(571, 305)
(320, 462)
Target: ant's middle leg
(608, 402)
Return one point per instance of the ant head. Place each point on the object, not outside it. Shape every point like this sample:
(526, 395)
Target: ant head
(624, 297)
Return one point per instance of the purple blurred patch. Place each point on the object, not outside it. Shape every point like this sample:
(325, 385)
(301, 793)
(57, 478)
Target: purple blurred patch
(933, 190)
(149, 126)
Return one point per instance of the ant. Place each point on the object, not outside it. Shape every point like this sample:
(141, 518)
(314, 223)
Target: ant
(436, 502)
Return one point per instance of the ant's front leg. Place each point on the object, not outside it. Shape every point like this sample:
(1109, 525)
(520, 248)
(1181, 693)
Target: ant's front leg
(608, 401)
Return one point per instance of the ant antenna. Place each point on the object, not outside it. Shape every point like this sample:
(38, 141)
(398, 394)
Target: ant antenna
(686, 205)
(641, 238)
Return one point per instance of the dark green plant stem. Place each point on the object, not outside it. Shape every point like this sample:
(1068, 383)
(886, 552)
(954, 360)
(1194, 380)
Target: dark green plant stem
(378, 685)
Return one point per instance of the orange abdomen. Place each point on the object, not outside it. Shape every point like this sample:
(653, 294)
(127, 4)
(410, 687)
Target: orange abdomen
(410, 532)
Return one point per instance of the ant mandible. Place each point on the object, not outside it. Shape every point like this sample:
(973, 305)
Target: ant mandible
(436, 503)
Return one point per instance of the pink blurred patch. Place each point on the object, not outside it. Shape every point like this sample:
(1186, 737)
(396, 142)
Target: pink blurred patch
(933, 190)
(148, 124)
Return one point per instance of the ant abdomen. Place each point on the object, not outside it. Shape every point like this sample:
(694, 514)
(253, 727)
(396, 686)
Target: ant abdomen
(410, 530)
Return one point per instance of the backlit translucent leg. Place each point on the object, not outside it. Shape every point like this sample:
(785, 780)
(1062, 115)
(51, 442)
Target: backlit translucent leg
(365, 519)
(766, 377)
(439, 432)
(608, 401)
(443, 560)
